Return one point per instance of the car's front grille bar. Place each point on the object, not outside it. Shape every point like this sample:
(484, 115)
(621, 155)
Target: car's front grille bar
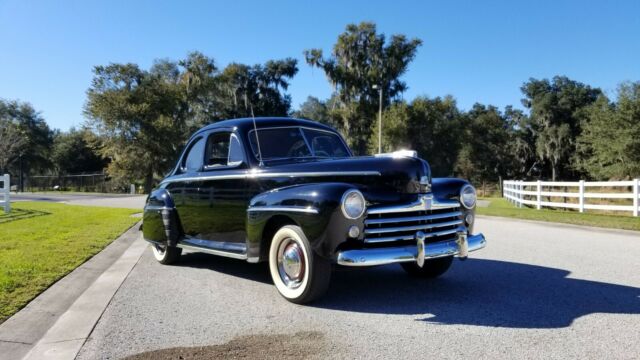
(438, 219)
(411, 218)
(425, 201)
(412, 228)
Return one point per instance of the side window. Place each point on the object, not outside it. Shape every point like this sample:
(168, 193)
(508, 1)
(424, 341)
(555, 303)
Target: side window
(193, 161)
(235, 151)
(223, 149)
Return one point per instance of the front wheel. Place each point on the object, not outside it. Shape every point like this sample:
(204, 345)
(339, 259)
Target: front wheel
(166, 254)
(300, 275)
(431, 269)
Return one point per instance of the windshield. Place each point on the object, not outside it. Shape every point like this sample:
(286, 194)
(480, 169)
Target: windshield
(297, 142)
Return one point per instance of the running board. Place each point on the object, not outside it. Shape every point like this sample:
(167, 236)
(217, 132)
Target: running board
(221, 248)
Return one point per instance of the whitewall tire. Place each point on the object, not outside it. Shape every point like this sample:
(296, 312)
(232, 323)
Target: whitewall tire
(166, 254)
(299, 274)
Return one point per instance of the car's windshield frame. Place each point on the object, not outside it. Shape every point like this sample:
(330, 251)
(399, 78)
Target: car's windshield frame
(253, 145)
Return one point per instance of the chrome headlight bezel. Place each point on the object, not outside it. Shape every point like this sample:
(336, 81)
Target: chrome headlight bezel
(353, 194)
(468, 196)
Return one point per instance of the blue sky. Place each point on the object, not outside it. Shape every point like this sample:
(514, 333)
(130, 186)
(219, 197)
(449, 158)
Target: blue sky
(476, 51)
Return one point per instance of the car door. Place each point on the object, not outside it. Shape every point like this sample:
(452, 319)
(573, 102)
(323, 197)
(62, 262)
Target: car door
(184, 187)
(223, 196)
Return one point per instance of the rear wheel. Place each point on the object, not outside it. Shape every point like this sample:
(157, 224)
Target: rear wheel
(166, 254)
(300, 275)
(431, 269)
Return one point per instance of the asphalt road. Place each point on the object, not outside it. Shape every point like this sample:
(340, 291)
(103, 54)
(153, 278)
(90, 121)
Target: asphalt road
(537, 291)
(108, 200)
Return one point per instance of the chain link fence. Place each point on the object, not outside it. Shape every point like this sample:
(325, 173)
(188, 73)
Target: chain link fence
(98, 182)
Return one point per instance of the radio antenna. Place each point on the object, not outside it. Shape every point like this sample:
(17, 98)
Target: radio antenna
(255, 130)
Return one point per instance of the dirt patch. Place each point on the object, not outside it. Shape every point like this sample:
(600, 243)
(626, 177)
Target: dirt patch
(302, 345)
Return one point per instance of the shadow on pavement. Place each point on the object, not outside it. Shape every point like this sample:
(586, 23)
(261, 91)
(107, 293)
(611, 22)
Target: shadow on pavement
(474, 292)
(481, 292)
(239, 268)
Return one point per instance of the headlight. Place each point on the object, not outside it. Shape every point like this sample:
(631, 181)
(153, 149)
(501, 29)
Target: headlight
(353, 204)
(468, 196)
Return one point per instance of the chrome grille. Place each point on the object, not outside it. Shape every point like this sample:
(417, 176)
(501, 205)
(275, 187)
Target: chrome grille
(439, 223)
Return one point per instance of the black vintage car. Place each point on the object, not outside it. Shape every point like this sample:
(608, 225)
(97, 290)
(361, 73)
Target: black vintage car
(290, 192)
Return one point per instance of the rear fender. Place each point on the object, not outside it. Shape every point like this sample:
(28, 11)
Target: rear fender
(160, 219)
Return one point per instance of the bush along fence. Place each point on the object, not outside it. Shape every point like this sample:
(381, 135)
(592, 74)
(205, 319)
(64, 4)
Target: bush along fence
(579, 195)
(5, 194)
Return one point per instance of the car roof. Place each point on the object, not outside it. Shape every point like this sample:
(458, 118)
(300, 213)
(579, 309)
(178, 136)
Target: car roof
(244, 124)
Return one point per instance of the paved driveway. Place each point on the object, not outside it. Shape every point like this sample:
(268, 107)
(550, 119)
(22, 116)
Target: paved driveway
(108, 200)
(536, 291)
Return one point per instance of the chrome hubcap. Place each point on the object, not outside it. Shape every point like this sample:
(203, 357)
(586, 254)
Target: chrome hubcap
(291, 264)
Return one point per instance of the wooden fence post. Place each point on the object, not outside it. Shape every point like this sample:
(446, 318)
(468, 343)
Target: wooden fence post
(636, 183)
(520, 196)
(539, 195)
(581, 194)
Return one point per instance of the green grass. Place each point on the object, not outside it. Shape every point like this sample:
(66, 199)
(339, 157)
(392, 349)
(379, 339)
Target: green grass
(41, 242)
(501, 207)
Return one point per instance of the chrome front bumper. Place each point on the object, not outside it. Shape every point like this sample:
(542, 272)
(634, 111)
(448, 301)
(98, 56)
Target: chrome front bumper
(419, 253)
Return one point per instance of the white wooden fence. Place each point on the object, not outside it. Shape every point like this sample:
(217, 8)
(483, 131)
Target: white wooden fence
(5, 193)
(534, 192)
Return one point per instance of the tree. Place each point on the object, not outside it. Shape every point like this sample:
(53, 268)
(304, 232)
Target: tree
(317, 110)
(522, 143)
(485, 153)
(12, 143)
(609, 146)
(36, 135)
(362, 58)
(72, 153)
(256, 90)
(139, 115)
(557, 109)
(430, 126)
(145, 117)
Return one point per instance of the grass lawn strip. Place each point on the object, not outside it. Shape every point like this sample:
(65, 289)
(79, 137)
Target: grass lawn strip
(501, 207)
(41, 242)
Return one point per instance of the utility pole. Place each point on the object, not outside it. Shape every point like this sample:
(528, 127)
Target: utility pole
(379, 88)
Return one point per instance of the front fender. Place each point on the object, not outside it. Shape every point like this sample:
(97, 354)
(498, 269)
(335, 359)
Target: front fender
(313, 207)
(449, 188)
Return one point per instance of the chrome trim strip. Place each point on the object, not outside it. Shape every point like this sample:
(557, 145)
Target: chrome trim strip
(156, 208)
(252, 175)
(412, 218)
(382, 256)
(213, 251)
(412, 228)
(231, 250)
(308, 210)
(408, 237)
(424, 202)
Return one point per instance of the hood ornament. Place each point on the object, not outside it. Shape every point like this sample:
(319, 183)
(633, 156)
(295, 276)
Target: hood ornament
(426, 202)
(426, 185)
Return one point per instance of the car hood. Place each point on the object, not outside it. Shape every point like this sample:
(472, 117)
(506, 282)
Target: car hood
(372, 174)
